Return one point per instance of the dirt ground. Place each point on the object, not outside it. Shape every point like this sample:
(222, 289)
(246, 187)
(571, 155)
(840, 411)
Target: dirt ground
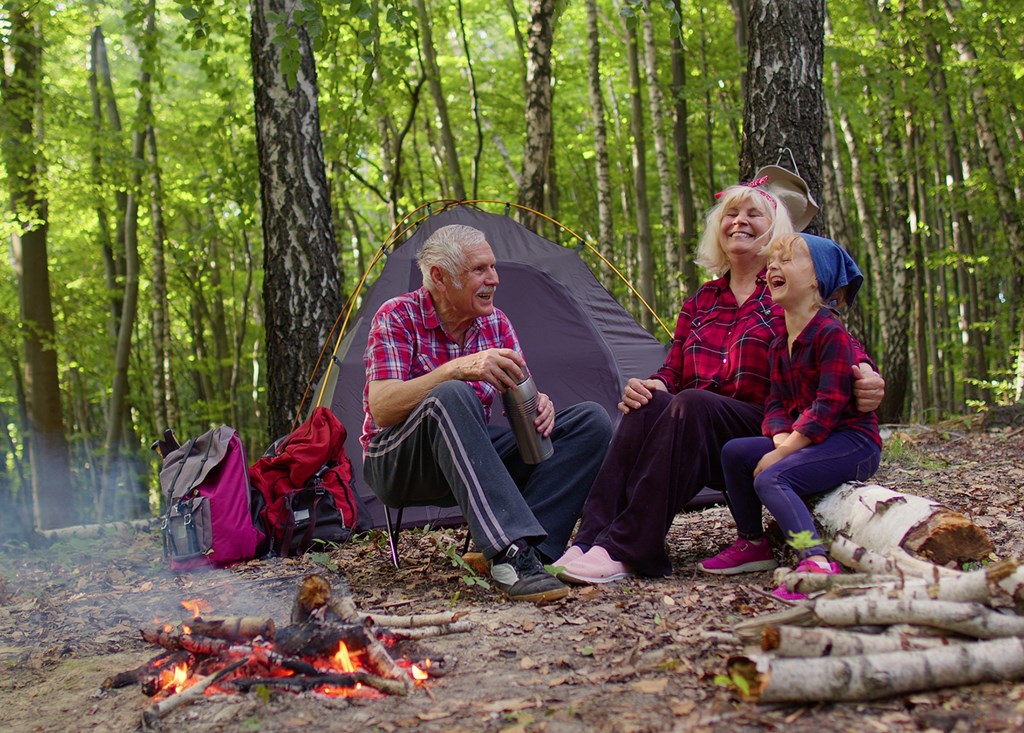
(640, 655)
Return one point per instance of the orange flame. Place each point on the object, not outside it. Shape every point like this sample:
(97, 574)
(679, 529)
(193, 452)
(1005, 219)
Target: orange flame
(342, 658)
(197, 607)
(418, 674)
(175, 679)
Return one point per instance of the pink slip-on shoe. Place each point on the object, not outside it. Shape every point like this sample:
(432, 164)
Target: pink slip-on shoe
(742, 556)
(593, 567)
(573, 553)
(807, 565)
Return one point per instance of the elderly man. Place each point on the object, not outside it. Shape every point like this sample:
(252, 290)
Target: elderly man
(435, 360)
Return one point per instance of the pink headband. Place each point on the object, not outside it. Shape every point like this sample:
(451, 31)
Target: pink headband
(754, 185)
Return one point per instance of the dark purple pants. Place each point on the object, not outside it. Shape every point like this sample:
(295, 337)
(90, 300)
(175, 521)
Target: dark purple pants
(660, 457)
(845, 455)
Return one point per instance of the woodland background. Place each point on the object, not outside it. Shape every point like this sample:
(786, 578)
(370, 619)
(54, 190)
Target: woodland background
(196, 189)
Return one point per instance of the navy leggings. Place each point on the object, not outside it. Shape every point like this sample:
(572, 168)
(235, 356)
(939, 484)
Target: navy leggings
(845, 455)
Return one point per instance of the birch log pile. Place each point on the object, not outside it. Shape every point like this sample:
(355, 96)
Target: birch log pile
(898, 624)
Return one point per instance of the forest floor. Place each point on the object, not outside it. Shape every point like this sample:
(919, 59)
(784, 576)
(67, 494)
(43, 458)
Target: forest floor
(639, 655)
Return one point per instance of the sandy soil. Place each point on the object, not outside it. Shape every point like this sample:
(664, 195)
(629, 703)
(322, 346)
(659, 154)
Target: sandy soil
(639, 655)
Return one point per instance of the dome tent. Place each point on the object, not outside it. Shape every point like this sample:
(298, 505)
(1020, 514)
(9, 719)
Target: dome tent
(579, 343)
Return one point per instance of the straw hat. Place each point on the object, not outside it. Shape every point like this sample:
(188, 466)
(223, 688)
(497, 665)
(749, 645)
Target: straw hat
(790, 190)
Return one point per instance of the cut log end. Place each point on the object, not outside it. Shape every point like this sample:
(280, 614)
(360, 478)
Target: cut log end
(947, 536)
(750, 680)
(770, 638)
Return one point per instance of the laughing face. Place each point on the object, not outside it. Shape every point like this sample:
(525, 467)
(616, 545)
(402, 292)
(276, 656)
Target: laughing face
(791, 276)
(471, 293)
(745, 224)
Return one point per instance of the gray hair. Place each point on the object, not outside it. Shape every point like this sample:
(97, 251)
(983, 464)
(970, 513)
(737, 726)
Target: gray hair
(446, 248)
(710, 254)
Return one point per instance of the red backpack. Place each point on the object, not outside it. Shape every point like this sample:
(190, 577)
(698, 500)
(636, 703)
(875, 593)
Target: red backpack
(306, 481)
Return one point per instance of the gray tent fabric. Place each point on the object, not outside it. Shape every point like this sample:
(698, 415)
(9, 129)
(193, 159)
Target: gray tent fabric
(579, 343)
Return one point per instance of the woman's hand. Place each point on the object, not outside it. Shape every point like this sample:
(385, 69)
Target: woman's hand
(638, 392)
(868, 387)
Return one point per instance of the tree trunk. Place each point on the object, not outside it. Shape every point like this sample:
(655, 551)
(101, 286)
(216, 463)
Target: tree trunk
(666, 215)
(537, 147)
(686, 223)
(784, 96)
(452, 173)
(474, 101)
(115, 470)
(164, 399)
(605, 232)
(301, 286)
(52, 494)
(644, 255)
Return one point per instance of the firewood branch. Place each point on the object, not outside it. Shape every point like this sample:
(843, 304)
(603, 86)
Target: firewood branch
(874, 676)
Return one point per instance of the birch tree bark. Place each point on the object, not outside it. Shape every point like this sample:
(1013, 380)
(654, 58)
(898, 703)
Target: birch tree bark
(686, 216)
(644, 254)
(301, 286)
(666, 215)
(602, 168)
(52, 496)
(784, 100)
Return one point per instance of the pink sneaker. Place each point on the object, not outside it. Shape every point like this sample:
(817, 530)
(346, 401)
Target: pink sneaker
(742, 556)
(593, 567)
(806, 565)
(573, 553)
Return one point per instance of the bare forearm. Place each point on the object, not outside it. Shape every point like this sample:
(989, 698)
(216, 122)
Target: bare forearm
(391, 400)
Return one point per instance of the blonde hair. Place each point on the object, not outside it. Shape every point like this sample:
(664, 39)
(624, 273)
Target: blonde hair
(782, 246)
(710, 254)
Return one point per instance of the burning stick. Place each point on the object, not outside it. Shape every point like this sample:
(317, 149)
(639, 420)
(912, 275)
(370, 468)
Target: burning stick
(151, 718)
(234, 628)
(311, 682)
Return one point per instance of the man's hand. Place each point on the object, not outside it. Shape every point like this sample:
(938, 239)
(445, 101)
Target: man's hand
(638, 392)
(868, 387)
(545, 421)
(502, 368)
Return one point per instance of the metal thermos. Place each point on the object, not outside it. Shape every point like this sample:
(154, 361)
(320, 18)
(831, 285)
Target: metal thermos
(521, 408)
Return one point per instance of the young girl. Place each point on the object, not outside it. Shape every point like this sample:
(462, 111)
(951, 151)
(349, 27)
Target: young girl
(815, 437)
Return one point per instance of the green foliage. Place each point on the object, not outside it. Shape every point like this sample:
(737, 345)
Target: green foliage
(802, 540)
(735, 681)
(469, 576)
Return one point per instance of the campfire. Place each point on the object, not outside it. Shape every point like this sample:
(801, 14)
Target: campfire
(328, 649)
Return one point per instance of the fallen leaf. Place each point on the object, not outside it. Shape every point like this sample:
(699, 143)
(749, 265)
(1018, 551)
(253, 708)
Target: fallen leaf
(500, 706)
(683, 707)
(650, 687)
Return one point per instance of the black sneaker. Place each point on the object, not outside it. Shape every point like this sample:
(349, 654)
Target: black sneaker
(519, 574)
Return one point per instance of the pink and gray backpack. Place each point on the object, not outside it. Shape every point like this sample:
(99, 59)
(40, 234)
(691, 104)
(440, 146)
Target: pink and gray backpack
(210, 509)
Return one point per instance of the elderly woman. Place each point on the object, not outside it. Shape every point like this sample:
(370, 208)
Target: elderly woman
(711, 388)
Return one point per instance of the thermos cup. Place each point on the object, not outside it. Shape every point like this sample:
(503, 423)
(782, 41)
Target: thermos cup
(521, 408)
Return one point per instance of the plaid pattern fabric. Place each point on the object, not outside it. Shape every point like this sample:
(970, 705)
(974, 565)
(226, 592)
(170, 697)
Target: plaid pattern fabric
(407, 340)
(812, 387)
(722, 346)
